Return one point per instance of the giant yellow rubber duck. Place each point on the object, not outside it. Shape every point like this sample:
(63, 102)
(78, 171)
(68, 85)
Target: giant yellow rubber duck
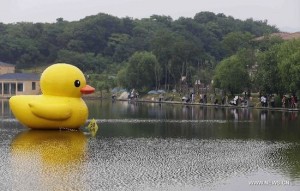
(60, 105)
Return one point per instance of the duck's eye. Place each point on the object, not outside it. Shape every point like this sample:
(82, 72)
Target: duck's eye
(77, 83)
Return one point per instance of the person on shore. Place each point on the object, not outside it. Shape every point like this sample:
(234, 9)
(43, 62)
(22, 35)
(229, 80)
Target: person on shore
(272, 101)
(264, 101)
(113, 97)
(283, 100)
(129, 96)
(205, 98)
(235, 101)
(201, 99)
(288, 101)
(216, 101)
(161, 97)
(212, 98)
(223, 100)
(193, 97)
(292, 101)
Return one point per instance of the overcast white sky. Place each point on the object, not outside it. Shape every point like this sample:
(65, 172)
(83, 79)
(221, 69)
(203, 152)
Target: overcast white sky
(285, 14)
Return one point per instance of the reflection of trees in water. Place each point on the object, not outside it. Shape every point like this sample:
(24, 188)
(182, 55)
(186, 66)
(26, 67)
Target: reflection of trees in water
(124, 109)
(179, 120)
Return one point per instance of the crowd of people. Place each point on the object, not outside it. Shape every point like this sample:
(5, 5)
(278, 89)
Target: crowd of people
(265, 100)
(212, 99)
(133, 94)
(289, 101)
(286, 101)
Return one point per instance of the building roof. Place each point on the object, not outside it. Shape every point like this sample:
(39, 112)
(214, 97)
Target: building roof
(20, 76)
(6, 64)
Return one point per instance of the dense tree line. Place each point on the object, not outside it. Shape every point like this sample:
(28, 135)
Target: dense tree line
(279, 68)
(269, 66)
(141, 53)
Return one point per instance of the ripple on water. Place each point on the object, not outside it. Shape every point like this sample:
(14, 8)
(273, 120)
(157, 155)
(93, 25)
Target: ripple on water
(174, 164)
(14, 121)
(156, 121)
(153, 163)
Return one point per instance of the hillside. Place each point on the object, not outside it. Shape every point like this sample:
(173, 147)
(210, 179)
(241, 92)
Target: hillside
(146, 53)
(97, 42)
(283, 35)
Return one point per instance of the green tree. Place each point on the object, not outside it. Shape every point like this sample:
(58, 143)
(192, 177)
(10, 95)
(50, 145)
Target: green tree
(279, 67)
(234, 41)
(162, 44)
(289, 65)
(117, 45)
(104, 44)
(267, 77)
(142, 71)
(231, 76)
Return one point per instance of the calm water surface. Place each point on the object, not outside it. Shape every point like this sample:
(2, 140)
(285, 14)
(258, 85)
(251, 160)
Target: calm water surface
(147, 146)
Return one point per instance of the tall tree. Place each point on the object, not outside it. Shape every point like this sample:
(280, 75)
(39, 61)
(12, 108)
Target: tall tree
(234, 41)
(142, 72)
(267, 77)
(289, 65)
(231, 76)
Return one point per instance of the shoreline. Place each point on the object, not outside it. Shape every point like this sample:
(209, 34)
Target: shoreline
(191, 104)
(198, 104)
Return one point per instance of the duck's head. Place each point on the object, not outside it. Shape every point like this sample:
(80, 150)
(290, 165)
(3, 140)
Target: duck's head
(64, 80)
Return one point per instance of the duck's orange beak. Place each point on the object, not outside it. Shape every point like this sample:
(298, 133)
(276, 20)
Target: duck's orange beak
(87, 89)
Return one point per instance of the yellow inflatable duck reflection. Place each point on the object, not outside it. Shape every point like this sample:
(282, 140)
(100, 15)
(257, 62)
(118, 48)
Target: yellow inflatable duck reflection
(60, 105)
(48, 160)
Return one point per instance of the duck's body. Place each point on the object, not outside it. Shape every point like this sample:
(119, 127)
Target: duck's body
(54, 109)
(49, 112)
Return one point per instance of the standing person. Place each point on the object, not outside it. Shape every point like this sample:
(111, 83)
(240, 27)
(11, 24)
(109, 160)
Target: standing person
(205, 98)
(245, 96)
(223, 100)
(272, 100)
(292, 101)
(216, 101)
(283, 100)
(296, 101)
(212, 98)
(266, 101)
(129, 96)
(201, 99)
(288, 101)
(161, 97)
(262, 101)
(113, 97)
(193, 97)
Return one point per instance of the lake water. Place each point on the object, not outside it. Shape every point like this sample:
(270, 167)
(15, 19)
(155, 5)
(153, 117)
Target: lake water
(150, 146)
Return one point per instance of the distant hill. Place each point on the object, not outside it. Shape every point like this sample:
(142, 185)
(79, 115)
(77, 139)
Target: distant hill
(283, 35)
(102, 42)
